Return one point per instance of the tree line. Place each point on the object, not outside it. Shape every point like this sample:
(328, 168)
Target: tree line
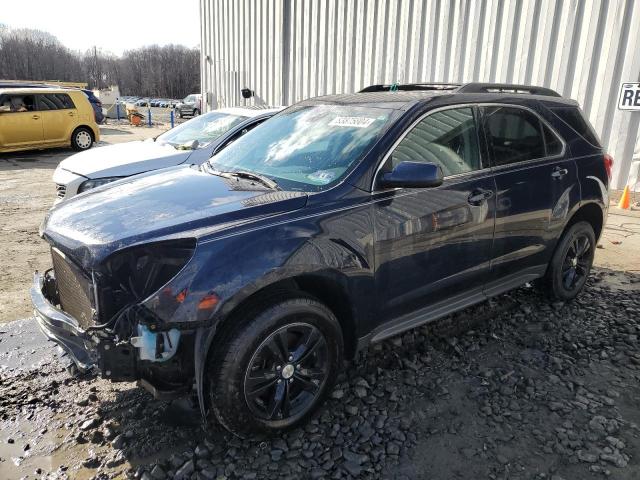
(170, 71)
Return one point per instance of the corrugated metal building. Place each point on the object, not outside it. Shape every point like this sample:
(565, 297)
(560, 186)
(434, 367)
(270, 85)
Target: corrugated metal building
(289, 50)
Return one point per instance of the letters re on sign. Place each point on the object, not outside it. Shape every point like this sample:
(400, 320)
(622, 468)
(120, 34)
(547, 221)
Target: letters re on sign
(629, 96)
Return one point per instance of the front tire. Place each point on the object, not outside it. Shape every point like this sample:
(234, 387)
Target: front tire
(196, 112)
(272, 371)
(571, 262)
(81, 139)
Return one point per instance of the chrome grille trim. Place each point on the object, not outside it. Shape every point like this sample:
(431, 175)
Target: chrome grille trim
(74, 289)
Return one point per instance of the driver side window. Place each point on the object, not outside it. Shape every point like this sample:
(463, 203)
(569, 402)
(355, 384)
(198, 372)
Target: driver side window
(447, 138)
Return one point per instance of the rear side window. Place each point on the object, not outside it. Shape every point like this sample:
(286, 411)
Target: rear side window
(573, 117)
(448, 138)
(55, 101)
(514, 135)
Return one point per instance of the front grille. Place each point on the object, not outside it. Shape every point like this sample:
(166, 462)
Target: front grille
(61, 189)
(74, 289)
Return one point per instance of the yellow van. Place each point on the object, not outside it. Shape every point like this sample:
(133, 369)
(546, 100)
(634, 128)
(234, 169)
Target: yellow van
(44, 118)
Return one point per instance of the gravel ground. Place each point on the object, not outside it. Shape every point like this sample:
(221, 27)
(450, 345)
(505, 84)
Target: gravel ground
(516, 388)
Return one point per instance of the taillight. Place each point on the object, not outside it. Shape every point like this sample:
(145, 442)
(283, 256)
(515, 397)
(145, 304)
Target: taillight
(608, 164)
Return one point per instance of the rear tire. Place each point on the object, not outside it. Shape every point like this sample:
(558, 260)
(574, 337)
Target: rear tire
(571, 262)
(272, 371)
(82, 139)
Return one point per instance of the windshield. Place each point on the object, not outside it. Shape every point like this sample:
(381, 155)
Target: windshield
(308, 148)
(205, 129)
(189, 98)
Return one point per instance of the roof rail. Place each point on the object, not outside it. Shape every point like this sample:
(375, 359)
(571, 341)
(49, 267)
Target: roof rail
(477, 87)
(410, 87)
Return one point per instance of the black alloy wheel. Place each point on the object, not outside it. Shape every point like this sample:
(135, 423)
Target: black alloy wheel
(287, 372)
(571, 263)
(274, 366)
(577, 261)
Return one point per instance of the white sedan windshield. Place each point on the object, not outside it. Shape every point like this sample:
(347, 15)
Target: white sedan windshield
(205, 129)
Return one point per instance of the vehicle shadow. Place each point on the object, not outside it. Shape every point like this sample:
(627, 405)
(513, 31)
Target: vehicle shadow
(38, 159)
(114, 131)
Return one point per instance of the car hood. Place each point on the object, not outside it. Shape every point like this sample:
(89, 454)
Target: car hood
(175, 203)
(124, 159)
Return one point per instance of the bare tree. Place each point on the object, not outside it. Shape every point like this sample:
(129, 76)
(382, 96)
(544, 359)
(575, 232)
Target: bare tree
(169, 71)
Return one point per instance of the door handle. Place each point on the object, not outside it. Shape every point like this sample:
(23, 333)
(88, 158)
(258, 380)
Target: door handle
(478, 196)
(70, 114)
(559, 172)
(36, 117)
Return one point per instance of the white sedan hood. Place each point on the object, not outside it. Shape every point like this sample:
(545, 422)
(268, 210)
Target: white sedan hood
(124, 159)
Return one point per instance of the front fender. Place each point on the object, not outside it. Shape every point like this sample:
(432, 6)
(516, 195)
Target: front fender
(237, 267)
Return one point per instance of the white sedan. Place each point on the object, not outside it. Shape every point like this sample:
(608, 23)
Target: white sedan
(192, 142)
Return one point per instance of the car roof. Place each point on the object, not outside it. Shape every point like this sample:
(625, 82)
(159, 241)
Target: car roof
(406, 96)
(399, 100)
(37, 90)
(249, 111)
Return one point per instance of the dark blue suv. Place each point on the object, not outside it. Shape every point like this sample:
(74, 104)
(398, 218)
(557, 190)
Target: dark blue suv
(339, 222)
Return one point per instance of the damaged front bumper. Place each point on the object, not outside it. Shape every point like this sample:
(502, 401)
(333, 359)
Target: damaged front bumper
(160, 361)
(62, 328)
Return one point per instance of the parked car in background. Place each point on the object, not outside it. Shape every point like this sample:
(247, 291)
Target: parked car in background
(191, 105)
(45, 118)
(342, 221)
(143, 102)
(192, 142)
(96, 104)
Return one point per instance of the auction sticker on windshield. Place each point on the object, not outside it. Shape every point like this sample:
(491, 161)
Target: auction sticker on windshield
(629, 96)
(357, 122)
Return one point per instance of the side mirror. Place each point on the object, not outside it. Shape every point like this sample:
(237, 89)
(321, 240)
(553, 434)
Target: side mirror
(412, 175)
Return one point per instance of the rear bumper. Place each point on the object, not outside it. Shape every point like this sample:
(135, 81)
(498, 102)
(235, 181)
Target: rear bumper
(62, 328)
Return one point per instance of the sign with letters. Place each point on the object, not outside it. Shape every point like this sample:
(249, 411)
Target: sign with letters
(629, 96)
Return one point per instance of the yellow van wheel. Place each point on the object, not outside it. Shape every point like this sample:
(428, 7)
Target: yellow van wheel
(81, 139)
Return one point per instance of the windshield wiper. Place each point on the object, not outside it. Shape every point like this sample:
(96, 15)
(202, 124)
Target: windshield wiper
(255, 176)
(264, 180)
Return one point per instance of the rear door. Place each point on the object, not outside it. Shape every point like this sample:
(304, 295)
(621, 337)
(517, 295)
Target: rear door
(536, 182)
(434, 244)
(21, 126)
(59, 116)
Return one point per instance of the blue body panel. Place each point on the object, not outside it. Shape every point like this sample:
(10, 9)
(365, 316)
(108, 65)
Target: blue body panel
(390, 252)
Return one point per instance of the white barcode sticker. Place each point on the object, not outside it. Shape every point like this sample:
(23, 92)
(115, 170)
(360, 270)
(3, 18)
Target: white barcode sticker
(354, 122)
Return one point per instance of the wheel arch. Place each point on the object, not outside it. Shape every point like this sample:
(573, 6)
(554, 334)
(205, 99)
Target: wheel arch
(591, 212)
(330, 290)
(88, 127)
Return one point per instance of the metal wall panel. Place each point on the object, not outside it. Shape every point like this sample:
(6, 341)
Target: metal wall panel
(289, 50)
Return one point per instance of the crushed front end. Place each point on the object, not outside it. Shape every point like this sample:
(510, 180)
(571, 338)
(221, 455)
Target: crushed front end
(106, 317)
